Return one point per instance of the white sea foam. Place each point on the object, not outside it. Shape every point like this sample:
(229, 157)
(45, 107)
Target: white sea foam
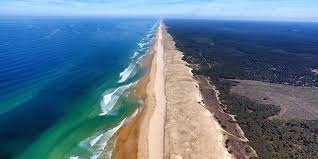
(97, 144)
(136, 53)
(103, 143)
(100, 142)
(135, 113)
(141, 57)
(127, 73)
(110, 99)
(100, 146)
(93, 141)
(142, 44)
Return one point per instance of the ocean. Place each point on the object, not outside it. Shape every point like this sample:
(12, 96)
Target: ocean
(66, 83)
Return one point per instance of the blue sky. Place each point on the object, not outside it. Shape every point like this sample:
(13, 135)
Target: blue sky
(303, 10)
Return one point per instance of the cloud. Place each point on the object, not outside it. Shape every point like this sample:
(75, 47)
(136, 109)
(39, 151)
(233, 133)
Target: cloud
(223, 9)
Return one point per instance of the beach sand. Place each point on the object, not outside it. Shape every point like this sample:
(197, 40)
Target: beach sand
(144, 133)
(191, 131)
(172, 122)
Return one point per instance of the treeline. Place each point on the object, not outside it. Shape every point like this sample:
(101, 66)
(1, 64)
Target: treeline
(247, 50)
(271, 138)
(234, 50)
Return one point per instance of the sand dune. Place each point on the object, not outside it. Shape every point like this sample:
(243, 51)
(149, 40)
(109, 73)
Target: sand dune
(191, 131)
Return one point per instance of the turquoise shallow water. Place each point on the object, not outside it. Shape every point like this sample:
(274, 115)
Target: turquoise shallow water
(65, 83)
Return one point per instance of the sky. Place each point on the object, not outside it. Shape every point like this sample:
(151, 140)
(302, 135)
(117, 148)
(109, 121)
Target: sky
(297, 10)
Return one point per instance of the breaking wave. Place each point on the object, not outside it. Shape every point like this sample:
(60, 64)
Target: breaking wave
(139, 53)
(97, 144)
(111, 97)
(129, 72)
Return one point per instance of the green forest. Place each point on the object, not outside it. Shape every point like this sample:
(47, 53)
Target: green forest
(226, 50)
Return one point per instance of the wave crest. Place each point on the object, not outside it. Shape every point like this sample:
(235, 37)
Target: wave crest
(97, 144)
(110, 99)
(129, 72)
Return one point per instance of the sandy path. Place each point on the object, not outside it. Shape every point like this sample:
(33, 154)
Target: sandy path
(191, 131)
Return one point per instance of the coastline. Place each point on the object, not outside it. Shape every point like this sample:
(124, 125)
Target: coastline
(172, 122)
(133, 138)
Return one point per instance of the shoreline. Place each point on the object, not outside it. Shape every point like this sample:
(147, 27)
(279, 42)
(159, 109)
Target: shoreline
(172, 121)
(133, 138)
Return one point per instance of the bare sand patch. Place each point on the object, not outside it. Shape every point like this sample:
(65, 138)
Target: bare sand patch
(296, 102)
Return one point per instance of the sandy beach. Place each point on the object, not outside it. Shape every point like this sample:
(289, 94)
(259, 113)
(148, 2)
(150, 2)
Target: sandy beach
(143, 136)
(191, 131)
(172, 122)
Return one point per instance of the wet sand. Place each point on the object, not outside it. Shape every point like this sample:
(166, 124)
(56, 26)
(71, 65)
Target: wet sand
(142, 137)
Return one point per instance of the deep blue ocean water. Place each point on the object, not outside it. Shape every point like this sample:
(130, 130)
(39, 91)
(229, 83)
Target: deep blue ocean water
(64, 83)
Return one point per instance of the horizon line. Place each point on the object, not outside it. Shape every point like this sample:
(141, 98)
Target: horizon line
(3, 16)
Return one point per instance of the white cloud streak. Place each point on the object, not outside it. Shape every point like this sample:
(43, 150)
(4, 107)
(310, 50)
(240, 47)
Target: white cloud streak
(223, 9)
